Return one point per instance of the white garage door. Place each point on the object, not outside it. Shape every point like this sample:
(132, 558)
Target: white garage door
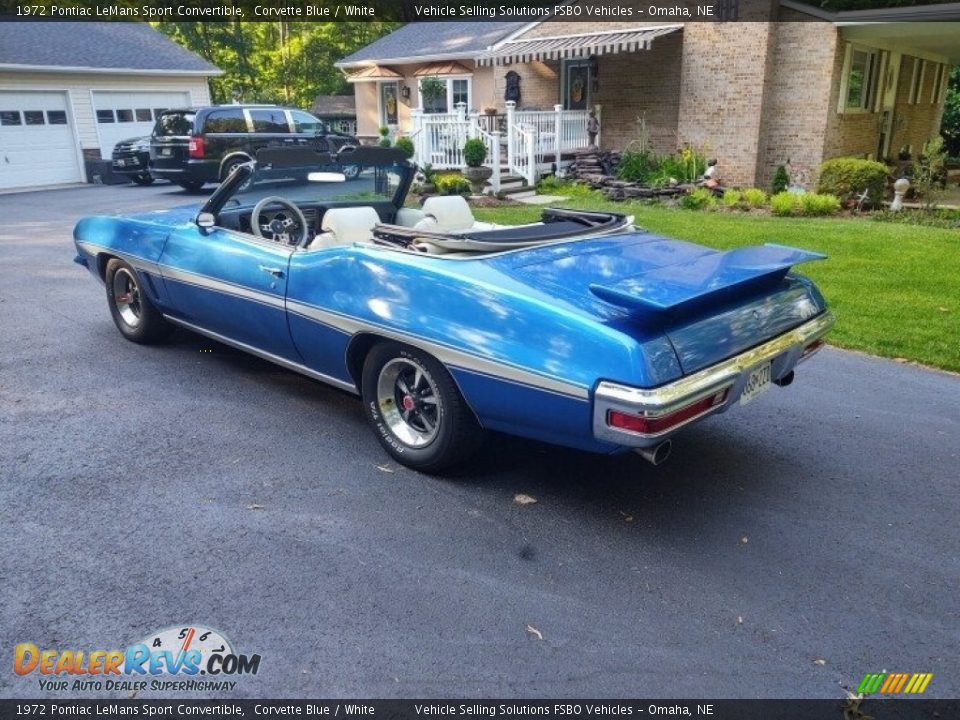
(37, 145)
(124, 115)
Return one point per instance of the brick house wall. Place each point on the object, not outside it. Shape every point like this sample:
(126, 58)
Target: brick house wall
(539, 84)
(797, 105)
(642, 84)
(915, 124)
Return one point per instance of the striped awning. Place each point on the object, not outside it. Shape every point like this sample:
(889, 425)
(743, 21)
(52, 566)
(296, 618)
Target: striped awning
(523, 50)
(372, 73)
(442, 68)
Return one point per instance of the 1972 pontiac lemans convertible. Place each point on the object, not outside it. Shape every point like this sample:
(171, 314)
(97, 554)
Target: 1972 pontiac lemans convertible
(578, 330)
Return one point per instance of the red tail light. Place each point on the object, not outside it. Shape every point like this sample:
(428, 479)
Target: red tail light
(660, 423)
(197, 147)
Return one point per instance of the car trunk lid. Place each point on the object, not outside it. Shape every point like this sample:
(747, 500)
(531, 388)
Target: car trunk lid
(711, 305)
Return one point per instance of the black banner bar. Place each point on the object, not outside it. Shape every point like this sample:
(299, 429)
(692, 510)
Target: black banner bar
(588, 11)
(852, 709)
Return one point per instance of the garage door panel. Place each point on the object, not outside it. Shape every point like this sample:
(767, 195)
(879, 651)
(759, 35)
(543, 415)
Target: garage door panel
(41, 149)
(125, 115)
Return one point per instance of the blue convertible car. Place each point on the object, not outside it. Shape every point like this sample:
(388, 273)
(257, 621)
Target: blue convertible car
(578, 330)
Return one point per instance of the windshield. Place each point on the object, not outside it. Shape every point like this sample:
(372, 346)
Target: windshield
(363, 184)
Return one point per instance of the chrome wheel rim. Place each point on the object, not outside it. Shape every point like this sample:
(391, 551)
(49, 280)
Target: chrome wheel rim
(126, 297)
(409, 402)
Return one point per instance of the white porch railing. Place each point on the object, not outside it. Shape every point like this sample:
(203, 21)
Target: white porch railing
(533, 139)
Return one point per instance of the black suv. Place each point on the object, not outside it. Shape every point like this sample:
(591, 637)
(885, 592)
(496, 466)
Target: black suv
(201, 145)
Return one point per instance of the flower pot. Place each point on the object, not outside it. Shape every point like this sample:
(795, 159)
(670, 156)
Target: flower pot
(477, 177)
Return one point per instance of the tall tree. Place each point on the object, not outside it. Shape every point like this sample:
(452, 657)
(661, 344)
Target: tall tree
(286, 62)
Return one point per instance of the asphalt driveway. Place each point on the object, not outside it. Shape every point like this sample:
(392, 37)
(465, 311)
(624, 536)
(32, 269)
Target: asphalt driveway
(784, 551)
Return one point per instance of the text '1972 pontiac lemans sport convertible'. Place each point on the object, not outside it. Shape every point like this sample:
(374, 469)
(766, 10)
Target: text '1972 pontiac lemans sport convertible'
(578, 330)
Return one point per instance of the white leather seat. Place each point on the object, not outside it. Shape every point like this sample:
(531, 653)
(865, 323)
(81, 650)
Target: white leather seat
(409, 217)
(451, 212)
(345, 226)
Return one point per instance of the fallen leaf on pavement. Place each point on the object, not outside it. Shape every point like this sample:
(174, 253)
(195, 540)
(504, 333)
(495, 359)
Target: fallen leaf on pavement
(385, 468)
(254, 507)
(533, 631)
(819, 661)
(522, 499)
(744, 539)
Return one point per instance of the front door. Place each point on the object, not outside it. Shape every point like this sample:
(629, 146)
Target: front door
(231, 284)
(577, 77)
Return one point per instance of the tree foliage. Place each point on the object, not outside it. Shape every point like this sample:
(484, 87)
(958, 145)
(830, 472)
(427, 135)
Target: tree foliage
(278, 62)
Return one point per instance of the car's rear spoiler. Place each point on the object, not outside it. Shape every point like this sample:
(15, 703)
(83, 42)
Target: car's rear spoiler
(712, 277)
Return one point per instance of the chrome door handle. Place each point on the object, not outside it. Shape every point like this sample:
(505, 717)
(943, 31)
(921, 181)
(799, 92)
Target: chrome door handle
(275, 271)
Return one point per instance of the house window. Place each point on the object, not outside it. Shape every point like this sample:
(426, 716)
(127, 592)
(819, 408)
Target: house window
(862, 70)
(444, 99)
(936, 92)
(104, 116)
(916, 80)
(33, 117)
(56, 117)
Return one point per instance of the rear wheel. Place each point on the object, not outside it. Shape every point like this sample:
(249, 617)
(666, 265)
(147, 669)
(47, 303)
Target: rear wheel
(134, 315)
(229, 167)
(416, 410)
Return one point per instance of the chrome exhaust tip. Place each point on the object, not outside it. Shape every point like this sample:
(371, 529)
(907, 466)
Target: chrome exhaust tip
(656, 455)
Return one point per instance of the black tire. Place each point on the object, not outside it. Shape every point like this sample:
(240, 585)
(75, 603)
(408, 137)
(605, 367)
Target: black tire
(190, 185)
(351, 172)
(144, 179)
(456, 433)
(134, 315)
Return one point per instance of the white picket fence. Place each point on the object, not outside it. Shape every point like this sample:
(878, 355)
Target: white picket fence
(532, 139)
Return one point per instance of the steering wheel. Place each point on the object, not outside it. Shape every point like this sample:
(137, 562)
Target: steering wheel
(287, 229)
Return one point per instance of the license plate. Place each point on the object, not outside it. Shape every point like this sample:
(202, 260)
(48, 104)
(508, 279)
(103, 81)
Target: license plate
(166, 152)
(757, 384)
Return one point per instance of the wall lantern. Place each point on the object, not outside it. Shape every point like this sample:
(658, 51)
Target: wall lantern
(405, 92)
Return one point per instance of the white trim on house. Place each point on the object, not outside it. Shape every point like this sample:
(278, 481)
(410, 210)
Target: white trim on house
(945, 11)
(13, 67)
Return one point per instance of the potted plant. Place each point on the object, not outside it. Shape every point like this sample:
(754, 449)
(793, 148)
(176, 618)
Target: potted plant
(431, 89)
(474, 153)
(385, 137)
(429, 184)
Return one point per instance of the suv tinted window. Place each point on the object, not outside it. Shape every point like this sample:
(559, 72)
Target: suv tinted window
(269, 121)
(174, 123)
(307, 123)
(225, 121)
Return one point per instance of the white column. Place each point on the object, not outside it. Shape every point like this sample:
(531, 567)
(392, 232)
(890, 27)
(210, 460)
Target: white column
(419, 137)
(495, 160)
(474, 125)
(558, 132)
(511, 140)
(532, 160)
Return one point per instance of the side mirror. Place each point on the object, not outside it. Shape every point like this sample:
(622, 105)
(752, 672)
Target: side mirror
(206, 220)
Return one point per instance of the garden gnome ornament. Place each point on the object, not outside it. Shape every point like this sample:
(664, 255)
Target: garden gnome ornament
(711, 178)
(593, 128)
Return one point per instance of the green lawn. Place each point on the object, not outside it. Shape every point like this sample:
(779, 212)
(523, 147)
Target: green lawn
(895, 289)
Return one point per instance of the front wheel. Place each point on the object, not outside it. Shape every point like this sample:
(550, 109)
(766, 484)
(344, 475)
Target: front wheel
(143, 179)
(134, 315)
(416, 410)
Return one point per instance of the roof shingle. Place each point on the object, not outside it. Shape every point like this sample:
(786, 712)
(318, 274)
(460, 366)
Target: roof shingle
(98, 45)
(415, 40)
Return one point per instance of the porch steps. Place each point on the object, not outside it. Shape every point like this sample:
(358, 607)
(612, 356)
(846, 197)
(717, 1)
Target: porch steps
(513, 185)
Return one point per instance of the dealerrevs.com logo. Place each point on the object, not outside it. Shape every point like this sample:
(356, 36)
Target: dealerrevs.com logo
(185, 653)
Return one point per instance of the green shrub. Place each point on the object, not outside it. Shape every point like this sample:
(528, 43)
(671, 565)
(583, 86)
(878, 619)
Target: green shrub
(849, 177)
(755, 197)
(731, 198)
(453, 185)
(781, 181)
(783, 203)
(637, 166)
(385, 142)
(816, 204)
(405, 145)
(474, 152)
(938, 218)
(698, 199)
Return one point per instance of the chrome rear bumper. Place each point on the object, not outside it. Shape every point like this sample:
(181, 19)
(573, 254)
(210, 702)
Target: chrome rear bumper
(783, 352)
